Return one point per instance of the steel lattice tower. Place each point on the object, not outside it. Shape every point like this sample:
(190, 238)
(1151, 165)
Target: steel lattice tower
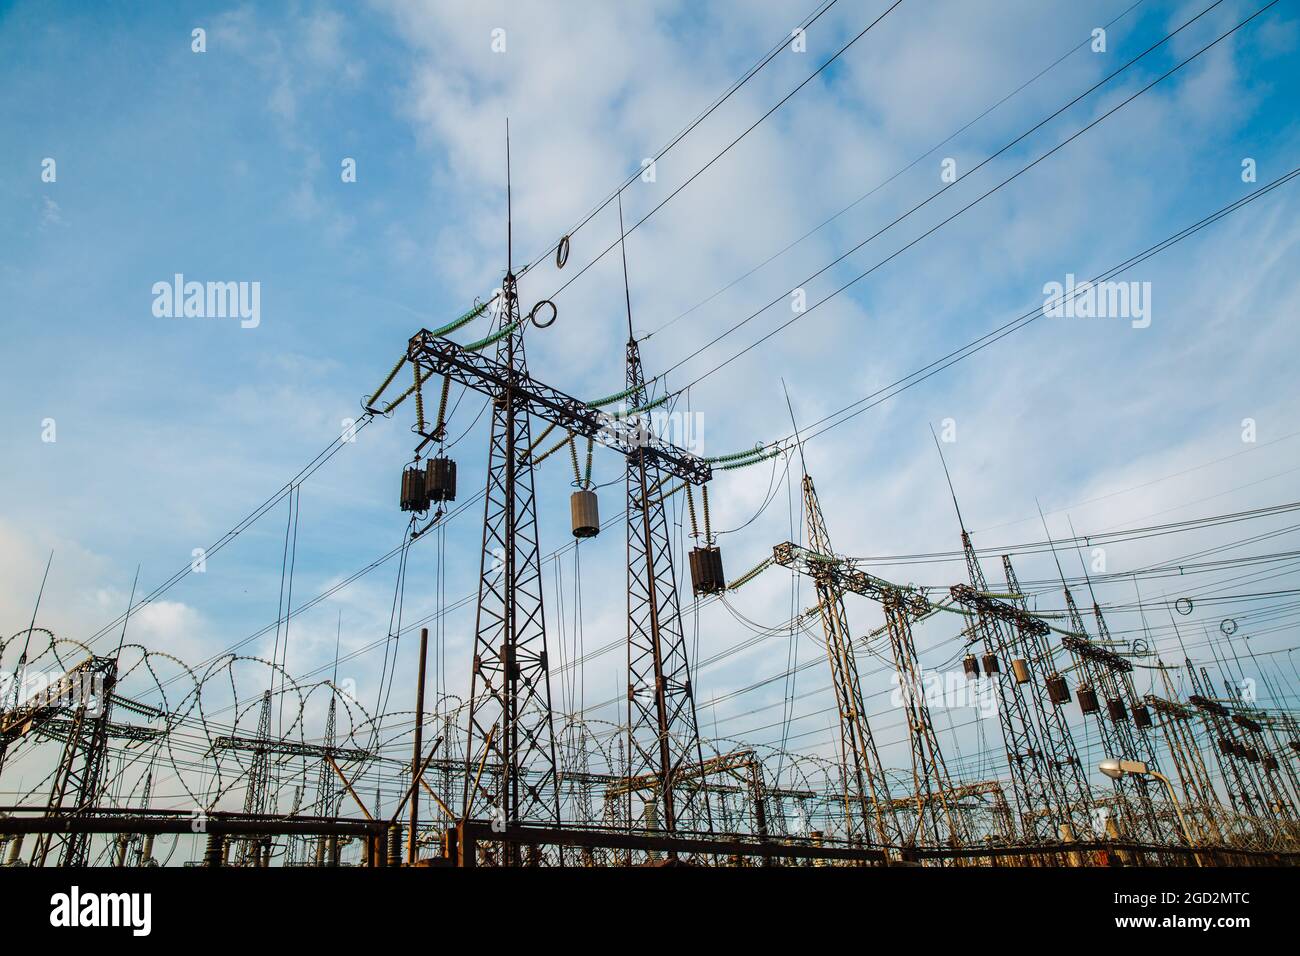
(865, 785)
(510, 724)
(1068, 772)
(259, 776)
(1027, 759)
(931, 786)
(662, 728)
(663, 732)
(80, 772)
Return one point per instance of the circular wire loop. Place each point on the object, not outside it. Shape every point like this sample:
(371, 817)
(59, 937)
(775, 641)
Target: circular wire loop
(562, 253)
(532, 315)
(1183, 606)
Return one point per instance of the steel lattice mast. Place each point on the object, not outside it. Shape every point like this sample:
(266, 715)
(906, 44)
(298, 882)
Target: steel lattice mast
(1064, 764)
(662, 727)
(79, 774)
(510, 723)
(1026, 759)
(867, 802)
(663, 732)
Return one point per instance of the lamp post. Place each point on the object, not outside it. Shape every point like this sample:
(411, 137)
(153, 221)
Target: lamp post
(1116, 768)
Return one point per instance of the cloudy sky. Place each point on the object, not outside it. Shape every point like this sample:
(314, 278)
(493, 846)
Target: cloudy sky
(228, 165)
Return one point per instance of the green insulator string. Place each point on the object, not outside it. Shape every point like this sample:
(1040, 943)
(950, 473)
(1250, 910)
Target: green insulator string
(752, 573)
(540, 438)
(465, 319)
(750, 461)
(708, 531)
(419, 401)
(387, 381)
(736, 455)
(494, 337)
(591, 447)
(573, 453)
(439, 430)
(690, 509)
(668, 494)
(644, 408)
(551, 451)
(611, 399)
(419, 380)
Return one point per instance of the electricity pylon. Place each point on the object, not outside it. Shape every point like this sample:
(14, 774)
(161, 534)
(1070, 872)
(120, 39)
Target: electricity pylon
(662, 728)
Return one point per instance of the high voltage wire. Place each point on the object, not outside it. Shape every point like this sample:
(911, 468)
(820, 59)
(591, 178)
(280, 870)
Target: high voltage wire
(933, 229)
(881, 185)
(717, 102)
(695, 175)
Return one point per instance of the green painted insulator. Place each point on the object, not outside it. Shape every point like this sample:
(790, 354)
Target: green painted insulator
(494, 337)
(752, 461)
(465, 319)
(735, 455)
(611, 399)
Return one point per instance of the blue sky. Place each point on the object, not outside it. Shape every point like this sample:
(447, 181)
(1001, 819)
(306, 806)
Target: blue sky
(225, 166)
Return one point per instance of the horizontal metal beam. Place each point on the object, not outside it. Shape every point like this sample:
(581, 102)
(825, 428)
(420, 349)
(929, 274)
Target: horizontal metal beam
(219, 823)
(1102, 655)
(472, 832)
(843, 576)
(628, 435)
(967, 596)
(289, 749)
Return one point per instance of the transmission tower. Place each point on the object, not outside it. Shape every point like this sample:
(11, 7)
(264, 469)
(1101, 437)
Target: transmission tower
(867, 803)
(1067, 770)
(1027, 759)
(259, 778)
(79, 774)
(663, 732)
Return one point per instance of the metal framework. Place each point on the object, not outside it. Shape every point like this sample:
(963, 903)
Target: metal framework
(662, 728)
(867, 802)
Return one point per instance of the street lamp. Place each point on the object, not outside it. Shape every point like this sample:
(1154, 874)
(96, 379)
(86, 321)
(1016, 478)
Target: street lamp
(1115, 768)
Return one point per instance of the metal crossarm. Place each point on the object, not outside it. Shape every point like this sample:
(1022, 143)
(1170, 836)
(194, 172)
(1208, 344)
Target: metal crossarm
(968, 596)
(628, 435)
(1086, 648)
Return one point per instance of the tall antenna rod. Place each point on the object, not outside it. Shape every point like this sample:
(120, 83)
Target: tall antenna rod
(130, 602)
(803, 464)
(1051, 544)
(1082, 563)
(943, 462)
(509, 209)
(36, 610)
(338, 635)
(622, 246)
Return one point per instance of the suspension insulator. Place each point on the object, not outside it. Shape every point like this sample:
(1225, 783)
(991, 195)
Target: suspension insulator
(1088, 700)
(1058, 691)
(1142, 716)
(971, 665)
(1020, 670)
(414, 495)
(440, 479)
(585, 510)
(706, 571)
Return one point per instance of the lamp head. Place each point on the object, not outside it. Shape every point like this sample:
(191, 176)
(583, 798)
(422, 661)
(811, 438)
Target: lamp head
(1116, 768)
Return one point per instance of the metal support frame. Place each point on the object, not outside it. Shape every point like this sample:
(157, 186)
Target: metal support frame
(662, 728)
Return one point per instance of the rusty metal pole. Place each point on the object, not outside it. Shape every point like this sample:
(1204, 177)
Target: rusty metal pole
(412, 848)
